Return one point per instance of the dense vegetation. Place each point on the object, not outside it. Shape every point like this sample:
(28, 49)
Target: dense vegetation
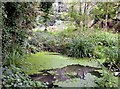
(17, 21)
(92, 33)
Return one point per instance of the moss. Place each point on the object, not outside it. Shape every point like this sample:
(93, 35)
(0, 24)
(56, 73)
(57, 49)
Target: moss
(49, 60)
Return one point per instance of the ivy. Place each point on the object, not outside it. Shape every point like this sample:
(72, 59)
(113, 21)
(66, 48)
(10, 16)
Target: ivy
(18, 18)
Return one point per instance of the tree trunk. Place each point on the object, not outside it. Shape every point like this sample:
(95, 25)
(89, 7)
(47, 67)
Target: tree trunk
(106, 17)
(45, 27)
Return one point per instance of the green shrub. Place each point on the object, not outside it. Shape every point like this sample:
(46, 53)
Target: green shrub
(108, 80)
(45, 41)
(38, 41)
(111, 54)
(102, 38)
(80, 47)
(98, 44)
(106, 45)
(99, 52)
(16, 53)
(13, 77)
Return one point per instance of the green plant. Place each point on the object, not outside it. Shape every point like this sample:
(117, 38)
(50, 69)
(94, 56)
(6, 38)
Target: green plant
(102, 38)
(14, 77)
(45, 7)
(108, 80)
(80, 47)
(106, 45)
(67, 33)
(17, 20)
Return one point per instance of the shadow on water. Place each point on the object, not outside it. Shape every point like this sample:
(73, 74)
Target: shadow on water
(65, 73)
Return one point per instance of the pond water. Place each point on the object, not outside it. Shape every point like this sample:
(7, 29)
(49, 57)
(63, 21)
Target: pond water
(56, 69)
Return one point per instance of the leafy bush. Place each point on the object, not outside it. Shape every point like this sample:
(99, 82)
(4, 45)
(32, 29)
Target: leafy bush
(98, 44)
(14, 32)
(108, 80)
(16, 53)
(104, 38)
(38, 41)
(13, 77)
(110, 53)
(45, 41)
(106, 45)
(80, 48)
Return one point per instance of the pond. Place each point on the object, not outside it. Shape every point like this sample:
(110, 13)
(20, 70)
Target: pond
(55, 69)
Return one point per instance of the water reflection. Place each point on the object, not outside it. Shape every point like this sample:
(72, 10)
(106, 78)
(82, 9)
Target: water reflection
(62, 74)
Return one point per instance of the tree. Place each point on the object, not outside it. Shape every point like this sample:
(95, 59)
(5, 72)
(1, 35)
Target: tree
(45, 7)
(18, 18)
(79, 13)
(103, 12)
